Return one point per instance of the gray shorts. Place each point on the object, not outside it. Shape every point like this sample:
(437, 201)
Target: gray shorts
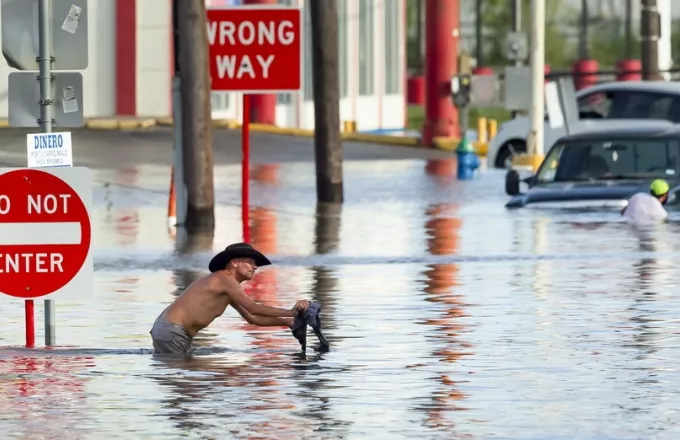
(169, 338)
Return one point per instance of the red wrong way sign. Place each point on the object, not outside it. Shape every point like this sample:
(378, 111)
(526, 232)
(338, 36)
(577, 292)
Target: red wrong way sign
(255, 49)
(45, 233)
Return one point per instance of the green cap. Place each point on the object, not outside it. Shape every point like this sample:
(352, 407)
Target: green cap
(659, 187)
(465, 146)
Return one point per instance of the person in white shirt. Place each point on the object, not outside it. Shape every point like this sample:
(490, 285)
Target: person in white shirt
(648, 206)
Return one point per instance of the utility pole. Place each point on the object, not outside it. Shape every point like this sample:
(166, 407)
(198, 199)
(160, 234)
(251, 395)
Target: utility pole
(649, 34)
(325, 73)
(629, 28)
(516, 7)
(535, 139)
(197, 138)
(327, 230)
(583, 31)
(517, 22)
(479, 42)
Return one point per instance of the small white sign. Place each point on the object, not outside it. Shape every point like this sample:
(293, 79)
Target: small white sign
(49, 150)
(552, 104)
(70, 23)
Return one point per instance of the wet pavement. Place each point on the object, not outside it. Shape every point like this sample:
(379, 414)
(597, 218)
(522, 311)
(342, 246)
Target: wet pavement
(448, 316)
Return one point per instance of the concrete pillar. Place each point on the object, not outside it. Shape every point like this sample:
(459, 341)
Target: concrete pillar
(262, 107)
(442, 30)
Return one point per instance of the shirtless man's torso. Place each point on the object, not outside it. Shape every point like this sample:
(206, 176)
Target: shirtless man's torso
(208, 297)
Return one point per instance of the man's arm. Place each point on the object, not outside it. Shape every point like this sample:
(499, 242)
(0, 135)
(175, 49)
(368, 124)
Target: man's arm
(239, 299)
(263, 321)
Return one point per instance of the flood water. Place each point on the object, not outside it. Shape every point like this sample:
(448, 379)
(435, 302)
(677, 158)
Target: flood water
(448, 317)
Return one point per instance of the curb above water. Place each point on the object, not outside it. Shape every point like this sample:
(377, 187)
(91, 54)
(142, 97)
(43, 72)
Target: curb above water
(450, 144)
(128, 124)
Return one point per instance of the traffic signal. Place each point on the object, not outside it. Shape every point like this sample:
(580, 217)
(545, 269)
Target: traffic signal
(460, 90)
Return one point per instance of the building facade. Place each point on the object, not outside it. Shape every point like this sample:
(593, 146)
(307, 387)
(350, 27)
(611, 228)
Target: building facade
(130, 61)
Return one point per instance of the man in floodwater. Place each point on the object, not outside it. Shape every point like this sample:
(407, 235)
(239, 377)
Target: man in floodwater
(208, 297)
(644, 207)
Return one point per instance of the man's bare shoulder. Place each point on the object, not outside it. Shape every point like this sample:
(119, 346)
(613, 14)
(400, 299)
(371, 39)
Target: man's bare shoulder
(225, 282)
(212, 283)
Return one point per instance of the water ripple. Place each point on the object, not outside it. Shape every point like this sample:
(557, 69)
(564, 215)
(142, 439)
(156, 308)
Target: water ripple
(448, 317)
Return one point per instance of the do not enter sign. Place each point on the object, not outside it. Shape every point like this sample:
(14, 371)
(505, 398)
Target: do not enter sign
(45, 233)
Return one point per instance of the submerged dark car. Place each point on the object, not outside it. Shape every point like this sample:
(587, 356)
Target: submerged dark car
(601, 168)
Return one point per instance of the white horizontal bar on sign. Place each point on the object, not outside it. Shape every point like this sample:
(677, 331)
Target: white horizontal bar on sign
(39, 233)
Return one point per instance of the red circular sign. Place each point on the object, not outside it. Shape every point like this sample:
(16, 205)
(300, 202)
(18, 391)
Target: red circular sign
(45, 233)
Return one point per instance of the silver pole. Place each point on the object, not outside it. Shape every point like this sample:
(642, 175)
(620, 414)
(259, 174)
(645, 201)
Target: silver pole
(45, 65)
(517, 23)
(180, 187)
(45, 78)
(516, 27)
(535, 139)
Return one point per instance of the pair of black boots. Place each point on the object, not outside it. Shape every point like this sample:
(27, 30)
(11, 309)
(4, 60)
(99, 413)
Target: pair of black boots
(309, 317)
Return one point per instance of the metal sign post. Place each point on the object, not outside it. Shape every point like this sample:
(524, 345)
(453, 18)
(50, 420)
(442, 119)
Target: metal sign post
(45, 79)
(45, 67)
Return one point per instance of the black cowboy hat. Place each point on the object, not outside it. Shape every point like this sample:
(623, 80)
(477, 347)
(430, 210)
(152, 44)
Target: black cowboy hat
(237, 250)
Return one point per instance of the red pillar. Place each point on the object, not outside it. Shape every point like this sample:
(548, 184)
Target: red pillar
(416, 90)
(481, 70)
(442, 26)
(262, 107)
(629, 70)
(585, 73)
(126, 57)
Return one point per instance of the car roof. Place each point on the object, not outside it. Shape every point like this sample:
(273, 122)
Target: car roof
(634, 129)
(670, 87)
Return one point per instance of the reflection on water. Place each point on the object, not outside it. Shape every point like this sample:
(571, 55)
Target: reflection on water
(448, 317)
(264, 285)
(443, 168)
(325, 279)
(125, 223)
(43, 389)
(254, 400)
(185, 245)
(650, 274)
(443, 228)
(194, 384)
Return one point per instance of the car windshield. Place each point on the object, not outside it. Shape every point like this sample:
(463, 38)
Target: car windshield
(611, 159)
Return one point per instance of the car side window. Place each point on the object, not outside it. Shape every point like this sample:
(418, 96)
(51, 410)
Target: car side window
(647, 105)
(657, 159)
(596, 105)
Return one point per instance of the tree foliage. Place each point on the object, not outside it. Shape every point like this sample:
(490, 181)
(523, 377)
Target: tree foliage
(497, 19)
(675, 41)
(606, 40)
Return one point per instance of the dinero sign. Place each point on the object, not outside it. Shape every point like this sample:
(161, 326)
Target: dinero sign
(255, 49)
